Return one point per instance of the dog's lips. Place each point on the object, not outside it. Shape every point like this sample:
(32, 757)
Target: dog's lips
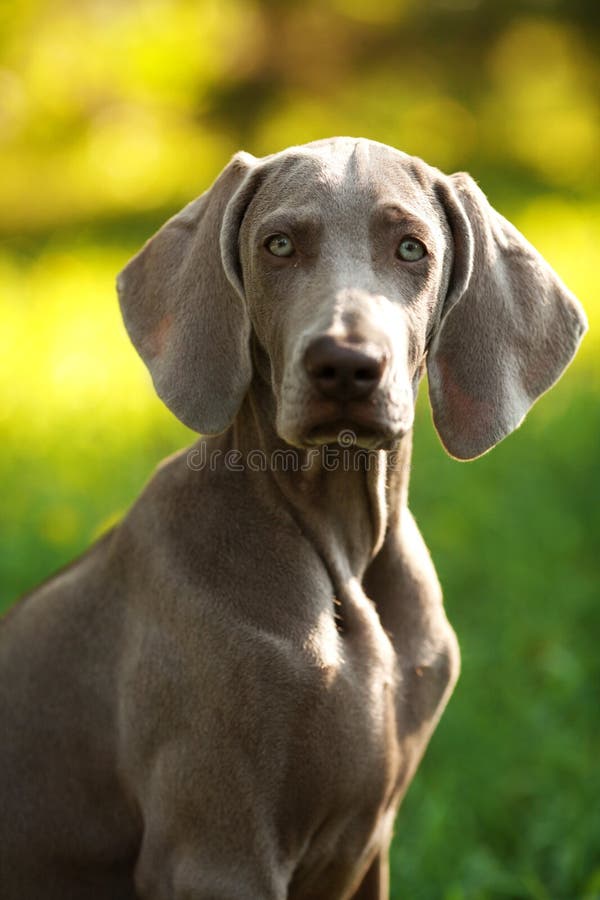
(344, 433)
(360, 428)
(373, 423)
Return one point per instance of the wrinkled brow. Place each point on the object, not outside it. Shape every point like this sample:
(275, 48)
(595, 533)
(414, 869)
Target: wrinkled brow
(300, 222)
(402, 218)
(396, 213)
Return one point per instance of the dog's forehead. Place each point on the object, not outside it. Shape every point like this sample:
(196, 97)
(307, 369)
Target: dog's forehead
(347, 171)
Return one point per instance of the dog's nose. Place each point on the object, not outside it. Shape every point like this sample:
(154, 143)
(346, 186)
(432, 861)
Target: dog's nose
(344, 371)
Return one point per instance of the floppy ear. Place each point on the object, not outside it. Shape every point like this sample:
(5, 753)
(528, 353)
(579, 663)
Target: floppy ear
(184, 315)
(509, 326)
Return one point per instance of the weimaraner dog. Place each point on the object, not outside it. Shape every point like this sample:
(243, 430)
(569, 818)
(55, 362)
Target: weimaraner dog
(228, 695)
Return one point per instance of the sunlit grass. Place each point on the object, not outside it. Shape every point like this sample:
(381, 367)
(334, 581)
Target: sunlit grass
(66, 353)
(81, 426)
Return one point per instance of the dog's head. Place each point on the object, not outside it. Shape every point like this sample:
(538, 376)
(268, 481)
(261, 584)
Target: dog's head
(348, 266)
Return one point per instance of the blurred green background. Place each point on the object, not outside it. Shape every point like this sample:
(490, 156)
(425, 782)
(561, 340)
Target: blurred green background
(113, 114)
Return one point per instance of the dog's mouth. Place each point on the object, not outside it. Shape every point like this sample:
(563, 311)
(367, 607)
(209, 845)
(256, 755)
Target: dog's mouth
(368, 425)
(345, 433)
(356, 430)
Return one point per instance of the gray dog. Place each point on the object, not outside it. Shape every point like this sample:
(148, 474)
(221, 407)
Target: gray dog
(228, 695)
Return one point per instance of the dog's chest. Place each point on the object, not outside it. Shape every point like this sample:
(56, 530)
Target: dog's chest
(343, 761)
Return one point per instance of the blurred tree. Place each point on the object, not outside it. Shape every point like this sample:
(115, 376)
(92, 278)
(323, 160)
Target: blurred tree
(112, 108)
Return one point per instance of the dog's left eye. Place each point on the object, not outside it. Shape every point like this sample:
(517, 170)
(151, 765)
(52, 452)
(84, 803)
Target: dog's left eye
(410, 249)
(279, 245)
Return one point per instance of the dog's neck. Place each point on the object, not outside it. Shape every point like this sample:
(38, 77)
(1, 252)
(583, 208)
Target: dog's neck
(344, 499)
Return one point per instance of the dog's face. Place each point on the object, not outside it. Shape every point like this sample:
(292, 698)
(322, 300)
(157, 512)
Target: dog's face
(350, 266)
(345, 261)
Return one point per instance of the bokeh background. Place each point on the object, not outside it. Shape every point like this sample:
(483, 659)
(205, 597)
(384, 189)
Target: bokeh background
(113, 114)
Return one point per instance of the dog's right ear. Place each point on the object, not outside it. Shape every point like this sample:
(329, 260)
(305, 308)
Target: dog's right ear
(185, 315)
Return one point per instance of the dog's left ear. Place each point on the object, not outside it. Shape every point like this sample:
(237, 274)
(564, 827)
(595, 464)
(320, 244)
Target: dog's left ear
(182, 303)
(508, 330)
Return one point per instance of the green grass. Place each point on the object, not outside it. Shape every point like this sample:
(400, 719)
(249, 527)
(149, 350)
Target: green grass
(505, 803)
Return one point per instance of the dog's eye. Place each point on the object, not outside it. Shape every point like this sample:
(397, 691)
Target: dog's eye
(410, 249)
(279, 245)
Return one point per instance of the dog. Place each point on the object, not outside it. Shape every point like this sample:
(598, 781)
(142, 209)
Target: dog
(227, 696)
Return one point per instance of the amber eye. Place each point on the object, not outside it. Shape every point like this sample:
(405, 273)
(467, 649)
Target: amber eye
(279, 245)
(410, 249)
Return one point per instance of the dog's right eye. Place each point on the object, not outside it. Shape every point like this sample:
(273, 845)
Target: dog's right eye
(279, 245)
